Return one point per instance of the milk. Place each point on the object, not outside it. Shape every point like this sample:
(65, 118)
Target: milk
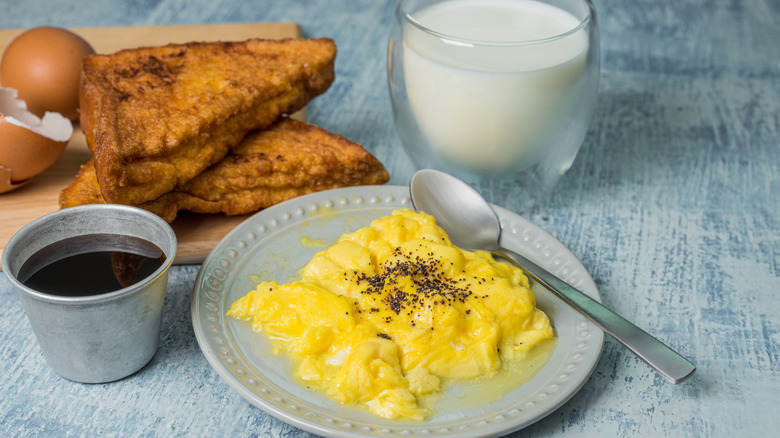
(494, 106)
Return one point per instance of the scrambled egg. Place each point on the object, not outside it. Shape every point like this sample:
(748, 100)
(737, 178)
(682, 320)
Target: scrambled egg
(382, 316)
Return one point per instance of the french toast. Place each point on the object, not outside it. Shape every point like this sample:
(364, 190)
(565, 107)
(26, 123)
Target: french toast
(289, 159)
(156, 117)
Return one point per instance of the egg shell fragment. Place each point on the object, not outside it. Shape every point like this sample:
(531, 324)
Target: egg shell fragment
(28, 144)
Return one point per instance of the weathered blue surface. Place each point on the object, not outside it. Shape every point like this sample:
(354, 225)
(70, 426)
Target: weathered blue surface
(673, 204)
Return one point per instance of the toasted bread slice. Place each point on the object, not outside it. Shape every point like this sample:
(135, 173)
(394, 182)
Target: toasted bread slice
(155, 118)
(289, 159)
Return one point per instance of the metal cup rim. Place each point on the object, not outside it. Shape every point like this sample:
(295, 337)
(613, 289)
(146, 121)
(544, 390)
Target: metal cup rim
(88, 299)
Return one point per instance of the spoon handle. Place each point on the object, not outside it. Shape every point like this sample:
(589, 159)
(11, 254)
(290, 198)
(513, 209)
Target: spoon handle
(667, 362)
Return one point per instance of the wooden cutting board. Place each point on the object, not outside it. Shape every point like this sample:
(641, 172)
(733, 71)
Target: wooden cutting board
(197, 234)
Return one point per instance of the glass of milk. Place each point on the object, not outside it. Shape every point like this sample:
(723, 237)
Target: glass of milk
(494, 88)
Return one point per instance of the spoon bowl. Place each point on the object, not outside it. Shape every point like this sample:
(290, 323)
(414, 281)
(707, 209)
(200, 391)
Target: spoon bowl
(472, 224)
(437, 194)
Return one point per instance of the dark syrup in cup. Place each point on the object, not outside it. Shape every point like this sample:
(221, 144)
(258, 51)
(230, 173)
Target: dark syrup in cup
(92, 264)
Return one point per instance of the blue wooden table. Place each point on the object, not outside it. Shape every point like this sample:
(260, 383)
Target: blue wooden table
(673, 204)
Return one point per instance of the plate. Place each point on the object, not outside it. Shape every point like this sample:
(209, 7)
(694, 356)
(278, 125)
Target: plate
(275, 243)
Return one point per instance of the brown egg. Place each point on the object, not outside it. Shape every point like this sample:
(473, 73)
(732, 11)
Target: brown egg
(44, 65)
(28, 144)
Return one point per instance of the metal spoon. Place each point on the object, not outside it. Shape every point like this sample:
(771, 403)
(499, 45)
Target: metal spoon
(472, 224)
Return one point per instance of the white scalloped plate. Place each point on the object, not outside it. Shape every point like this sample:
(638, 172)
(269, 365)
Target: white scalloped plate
(276, 242)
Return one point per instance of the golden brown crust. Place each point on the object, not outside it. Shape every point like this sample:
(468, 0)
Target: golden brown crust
(83, 190)
(270, 166)
(157, 117)
(289, 159)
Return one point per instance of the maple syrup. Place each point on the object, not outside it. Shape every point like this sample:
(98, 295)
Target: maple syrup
(91, 264)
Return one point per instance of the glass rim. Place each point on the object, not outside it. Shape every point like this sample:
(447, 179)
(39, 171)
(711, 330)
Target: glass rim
(470, 42)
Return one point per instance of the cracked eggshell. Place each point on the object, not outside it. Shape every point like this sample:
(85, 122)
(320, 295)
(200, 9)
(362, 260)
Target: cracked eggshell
(28, 144)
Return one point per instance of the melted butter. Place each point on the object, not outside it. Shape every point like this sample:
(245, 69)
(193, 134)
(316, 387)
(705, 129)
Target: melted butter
(483, 390)
(310, 242)
(255, 278)
(323, 215)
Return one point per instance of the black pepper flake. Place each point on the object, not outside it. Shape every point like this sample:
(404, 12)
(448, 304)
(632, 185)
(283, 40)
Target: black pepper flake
(383, 335)
(431, 286)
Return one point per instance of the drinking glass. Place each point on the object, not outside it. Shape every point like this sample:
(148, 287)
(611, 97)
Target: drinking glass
(494, 89)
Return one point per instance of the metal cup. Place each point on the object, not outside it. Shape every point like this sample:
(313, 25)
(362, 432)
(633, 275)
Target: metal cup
(98, 338)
